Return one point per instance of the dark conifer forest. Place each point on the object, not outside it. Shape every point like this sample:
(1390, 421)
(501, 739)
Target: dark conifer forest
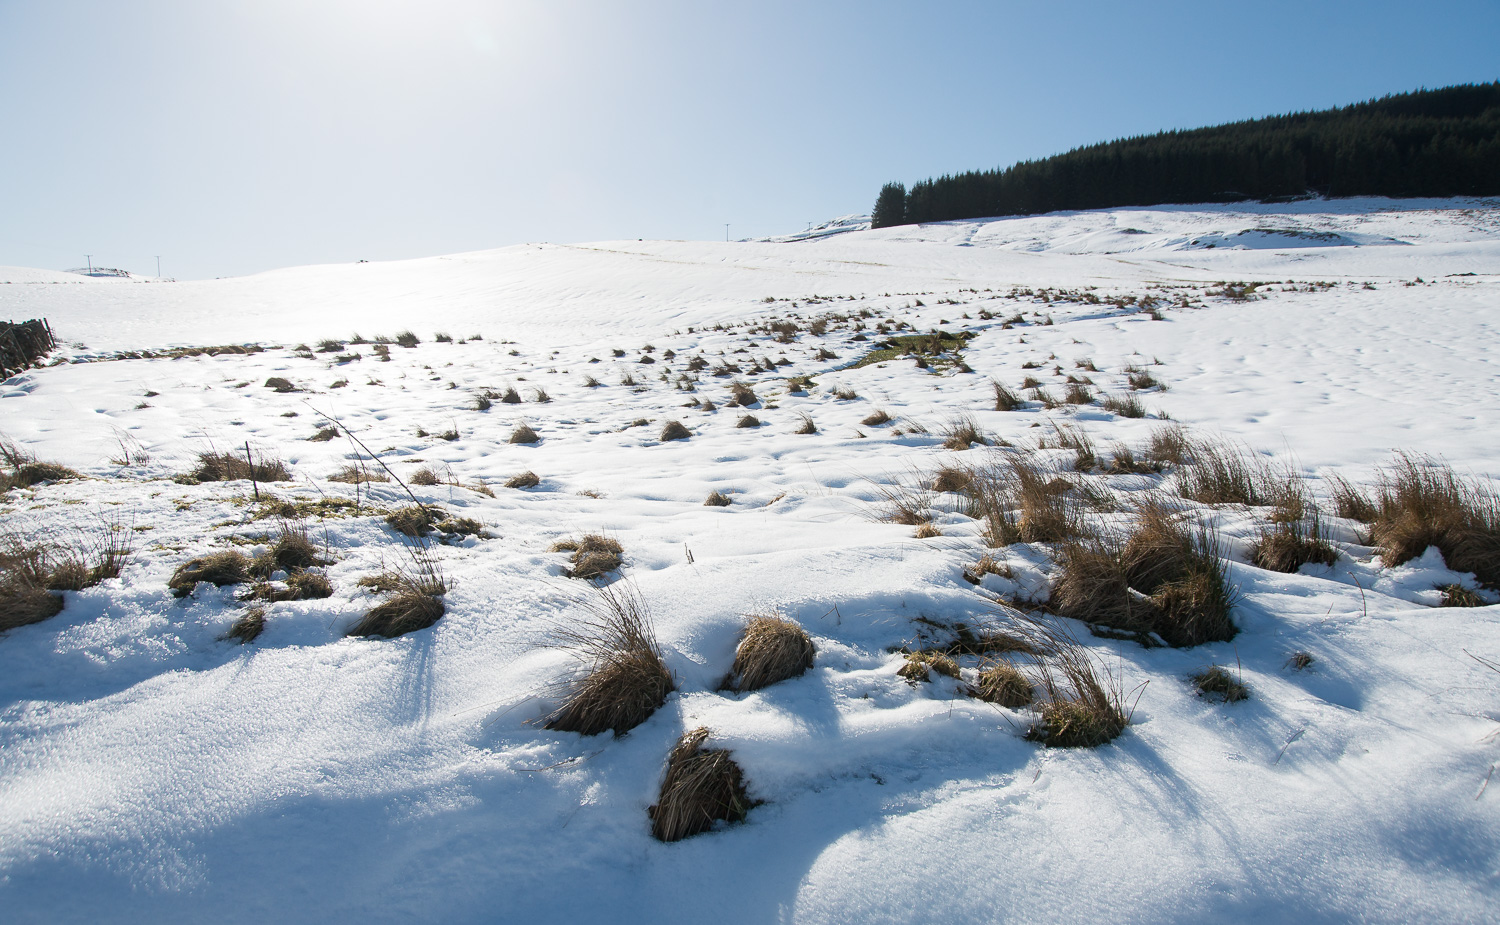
(1428, 143)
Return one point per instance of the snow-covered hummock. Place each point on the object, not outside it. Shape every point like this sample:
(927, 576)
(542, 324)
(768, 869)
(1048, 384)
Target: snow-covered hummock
(151, 771)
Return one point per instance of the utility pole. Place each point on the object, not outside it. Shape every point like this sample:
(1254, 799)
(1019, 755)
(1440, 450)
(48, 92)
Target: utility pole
(726, 232)
(158, 266)
(90, 259)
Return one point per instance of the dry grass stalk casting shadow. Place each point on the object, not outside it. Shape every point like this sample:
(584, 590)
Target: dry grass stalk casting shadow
(771, 649)
(1421, 502)
(1082, 702)
(415, 603)
(1022, 502)
(702, 786)
(626, 679)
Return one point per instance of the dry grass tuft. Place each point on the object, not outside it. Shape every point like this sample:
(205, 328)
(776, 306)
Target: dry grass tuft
(1004, 684)
(626, 679)
(1218, 684)
(25, 576)
(952, 479)
(324, 435)
(229, 567)
(1082, 704)
(1298, 661)
(424, 476)
(524, 434)
(1021, 502)
(1222, 472)
(740, 393)
(1288, 545)
(772, 648)
(879, 417)
(1350, 502)
(1126, 406)
(926, 532)
(920, 665)
(415, 602)
(358, 475)
(412, 520)
(1421, 502)
(527, 479)
(1169, 445)
(227, 467)
(1162, 580)
(250, 625)
(961, 433)
(717, 499)
(674, 430)
(807, 426)
(748, 420)
(593, 554)
(1078, 394)
(1459, 596)
(293, 550)
(1005, 399)
(702, 786)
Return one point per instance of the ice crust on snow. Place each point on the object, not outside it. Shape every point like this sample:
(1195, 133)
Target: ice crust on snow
(150, 770)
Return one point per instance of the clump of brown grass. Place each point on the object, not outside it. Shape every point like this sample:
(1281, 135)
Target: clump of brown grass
(1294, 536)
(961, 433)
(1123, 461)
(25, 576)
(1299, 661)
(226, 467)
(740, 393)
(674, 430)
(1459, 596)
(1078, 394)
(920, 665)
(229, 567)
(1072, 437)
(748, 420)
(1350, 502)
(1162, 580)
(1082, 703)
(1169, 445)
(926, 532)
(593, 554)
(412, 520)
(249, 626)
(772, 648)
(324, 435)
(358, 475)
(702, 787)
(424, 476)
(717, 499)
(1126, 406)
(1421, 502)
(626, 679)
(1022, 502)
(293, 550)
(1218, 684)
(524, 434)
(904, 501)
(1005, 399)
(952, 479)
(1003, 683)
(415, 602)
(807, 426)
(879, 417)
(527, 479)
(1222, 472)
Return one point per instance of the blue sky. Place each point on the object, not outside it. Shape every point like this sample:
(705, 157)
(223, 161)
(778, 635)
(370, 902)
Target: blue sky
(241, 135)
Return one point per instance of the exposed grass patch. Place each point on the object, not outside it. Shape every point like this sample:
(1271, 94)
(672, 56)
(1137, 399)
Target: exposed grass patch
(1022, 502)
(358, 475)
(961, 433)
(625, 680)
(594, 555)
(324, 435)
(249, 626)
(412, 520)
(1004, 684)
(225, 467)
(1082, 704)
(1005, 399)
(424, 476)
(717, 499)
(772, 648)
(229, 567)
(1459, 596)
(524, 434)
(1126, 406)
(701, 787)
(920, 665)
(1421, 502)
(1217, 683)
(527, 479)
(952, 479)
(741, 394)
(807, 426)
(1221, 472)
(877, 418)
(674, 430)
(1162, 580)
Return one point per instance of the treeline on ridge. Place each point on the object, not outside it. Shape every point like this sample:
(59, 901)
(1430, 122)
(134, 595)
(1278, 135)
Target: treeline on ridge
(1427, 143)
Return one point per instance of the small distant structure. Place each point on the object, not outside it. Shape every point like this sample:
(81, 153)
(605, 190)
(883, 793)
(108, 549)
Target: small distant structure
(100, 271)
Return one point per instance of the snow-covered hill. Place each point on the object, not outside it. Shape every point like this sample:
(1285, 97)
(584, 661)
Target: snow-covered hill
(151, 770)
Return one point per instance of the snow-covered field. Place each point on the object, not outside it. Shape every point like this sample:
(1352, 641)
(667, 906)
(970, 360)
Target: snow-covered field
(152, 771)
